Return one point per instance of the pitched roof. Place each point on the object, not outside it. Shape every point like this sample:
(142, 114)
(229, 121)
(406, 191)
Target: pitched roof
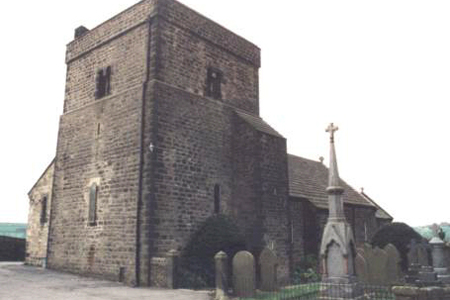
(380, 213)
(308, 179)
(42, 175)
(257, 123)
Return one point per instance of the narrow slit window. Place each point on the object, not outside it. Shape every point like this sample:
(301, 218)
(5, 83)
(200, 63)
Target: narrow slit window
(43, 218)
(93, 195)
(214, 83)
(103, 82)
(217, 199)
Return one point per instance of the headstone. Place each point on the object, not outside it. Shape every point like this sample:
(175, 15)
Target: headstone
(422, 253)
(412, 253)
(221, 259)
(361, 268)
(377, 267)
(268, 263)
(419, 271)
(393, 269)
(418, 253)
(244, 274)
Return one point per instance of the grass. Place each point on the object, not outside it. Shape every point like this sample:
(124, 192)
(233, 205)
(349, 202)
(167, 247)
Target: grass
(311, 291)
(290, 292)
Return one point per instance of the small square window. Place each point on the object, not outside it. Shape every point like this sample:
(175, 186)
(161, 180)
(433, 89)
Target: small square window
(103, 83)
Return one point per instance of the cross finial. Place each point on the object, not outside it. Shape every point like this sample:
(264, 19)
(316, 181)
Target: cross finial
(331, 129)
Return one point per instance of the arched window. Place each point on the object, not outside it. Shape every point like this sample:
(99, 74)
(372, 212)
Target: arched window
(93, 194)
(217, 199)
(43, 218)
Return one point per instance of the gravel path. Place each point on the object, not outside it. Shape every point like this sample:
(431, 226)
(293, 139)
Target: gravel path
(19, 282)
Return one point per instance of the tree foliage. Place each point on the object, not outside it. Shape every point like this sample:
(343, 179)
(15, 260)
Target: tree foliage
(399, 235)
(217, 233)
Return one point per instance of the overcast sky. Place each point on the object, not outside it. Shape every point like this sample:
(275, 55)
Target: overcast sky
(380, 70)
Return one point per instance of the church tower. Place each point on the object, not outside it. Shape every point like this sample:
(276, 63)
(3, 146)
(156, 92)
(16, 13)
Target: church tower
(161, 130)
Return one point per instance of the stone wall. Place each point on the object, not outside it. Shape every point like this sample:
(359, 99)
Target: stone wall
(12, 249)
(421, 293)
(364, 224)
(186, 58)
(191, 135)
(110, 29)
(156, 147)
(99, 142)
(299, 233)
(38, 220)
(275, 197)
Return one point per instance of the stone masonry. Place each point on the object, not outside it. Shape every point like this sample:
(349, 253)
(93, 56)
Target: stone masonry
(161, 130)
(157, 144)
(38, 218)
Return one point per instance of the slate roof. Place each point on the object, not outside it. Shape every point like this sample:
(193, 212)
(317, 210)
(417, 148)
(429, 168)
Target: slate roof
(308, 179)
(257, 123)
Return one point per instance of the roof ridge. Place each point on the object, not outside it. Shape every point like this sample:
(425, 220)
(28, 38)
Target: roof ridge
(308, 159)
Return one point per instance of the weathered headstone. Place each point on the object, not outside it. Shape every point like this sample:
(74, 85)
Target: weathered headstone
(377, 266)
(244, 274)
(422, 252)
(419, 270)
(393, 269)
(412, 253)
(268, 263)
(221, 259)
(417, 254)
(361, 268)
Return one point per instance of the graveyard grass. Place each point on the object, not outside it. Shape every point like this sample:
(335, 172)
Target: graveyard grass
(312, 290)
(290, 292)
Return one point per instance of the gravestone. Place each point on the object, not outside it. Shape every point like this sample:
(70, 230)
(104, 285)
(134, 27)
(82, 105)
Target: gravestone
(244, 274)
(422, 252)
(418, 253)
(419, 270)
(377, 266)
(393, 269)
(268, 263)
(361, 268)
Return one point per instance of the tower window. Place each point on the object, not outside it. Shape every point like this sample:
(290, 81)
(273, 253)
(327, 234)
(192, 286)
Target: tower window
(213, 83)
(43, 218)
(217, 199)
(93, 195)
(103, 82)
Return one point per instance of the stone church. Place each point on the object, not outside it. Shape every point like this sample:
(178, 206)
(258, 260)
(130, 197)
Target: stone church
(161, 130)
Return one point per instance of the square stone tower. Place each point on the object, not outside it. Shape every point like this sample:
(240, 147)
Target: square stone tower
(161, 130)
